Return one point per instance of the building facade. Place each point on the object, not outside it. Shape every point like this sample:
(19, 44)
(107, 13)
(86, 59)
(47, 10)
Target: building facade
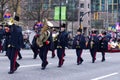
(84, 12)
(105, 12)
(74, 10)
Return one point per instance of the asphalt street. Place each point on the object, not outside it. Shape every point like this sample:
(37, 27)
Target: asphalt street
(30, 68)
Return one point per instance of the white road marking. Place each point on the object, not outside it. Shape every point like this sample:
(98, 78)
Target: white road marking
(102, 77)
(34, 65)
(25, 66)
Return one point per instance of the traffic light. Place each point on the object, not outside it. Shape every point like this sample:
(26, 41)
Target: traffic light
(95, 15)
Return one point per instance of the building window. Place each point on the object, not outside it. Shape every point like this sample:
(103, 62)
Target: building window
(88, 14)
(82, 5)
(88, 22)
(115, 7)
(81, 13)
(109, 1)
(88, 5)
(110, 8)
(115, 1)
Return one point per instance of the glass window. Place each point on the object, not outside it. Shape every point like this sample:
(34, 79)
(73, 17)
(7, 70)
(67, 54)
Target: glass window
(115, 1)
(110, 8)
(88, 22)
(103, 1)
(115, 7)
(109, 1)
(81, 13)
(82, 5)
(88, 5)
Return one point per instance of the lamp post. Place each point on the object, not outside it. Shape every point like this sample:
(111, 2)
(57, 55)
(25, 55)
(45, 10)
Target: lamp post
(81, 18)
(60, 14)
(72, 15)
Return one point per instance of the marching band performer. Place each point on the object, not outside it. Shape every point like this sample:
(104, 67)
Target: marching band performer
(1, 37)
(61, 44)
(103, 45)
(14, 44)
(43, 42)
(37, 28)
(93, 45)
(79, 45)
(54, 37)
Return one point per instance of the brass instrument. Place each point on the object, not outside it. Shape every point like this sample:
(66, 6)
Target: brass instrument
(91, 43)
(54, 36)
(12, 20)
(43, 35)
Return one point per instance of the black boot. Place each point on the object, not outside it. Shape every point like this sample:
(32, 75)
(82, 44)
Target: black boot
(17, 67)
(81, 60)
(10, 72)
(103, 59)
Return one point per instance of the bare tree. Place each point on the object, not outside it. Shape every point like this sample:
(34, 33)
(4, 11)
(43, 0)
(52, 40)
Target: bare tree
(3, 8)
(34, 10)
(14, 6)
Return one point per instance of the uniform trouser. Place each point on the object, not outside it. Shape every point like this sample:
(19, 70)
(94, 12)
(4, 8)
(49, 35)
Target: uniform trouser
(79, 53)
(12, 55)
(0, 46)
(53, 53)
(103, 55)
(60, 54)
(43, 55)
(93, 53)
(35, 51)
(19, 54)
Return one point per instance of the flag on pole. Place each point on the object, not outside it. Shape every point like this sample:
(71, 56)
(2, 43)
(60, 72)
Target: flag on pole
(57, 13)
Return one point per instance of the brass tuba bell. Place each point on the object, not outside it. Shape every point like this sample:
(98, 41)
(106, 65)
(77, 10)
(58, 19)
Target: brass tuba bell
(43, 34)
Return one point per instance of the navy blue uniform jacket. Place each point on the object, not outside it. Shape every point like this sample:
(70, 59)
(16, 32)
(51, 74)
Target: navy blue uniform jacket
(62, 39)
(81, 40)
(95, 40)
(104, 43)
(15, 37)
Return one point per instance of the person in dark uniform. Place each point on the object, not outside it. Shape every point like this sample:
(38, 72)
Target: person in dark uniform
(61, 44)
(54, 35)
(7, 33)
(103, 45)
(21, 38)
(51, 45)
(34, 47)
(93, 45)
(43, 42)
(79, 45)
(1, 37)
(14, 45)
